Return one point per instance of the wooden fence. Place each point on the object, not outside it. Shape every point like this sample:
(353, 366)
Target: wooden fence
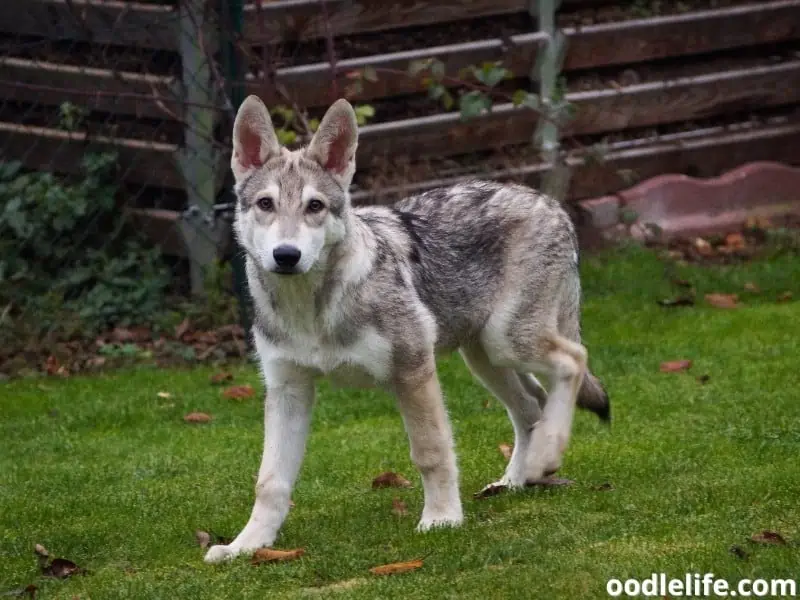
(698, 90)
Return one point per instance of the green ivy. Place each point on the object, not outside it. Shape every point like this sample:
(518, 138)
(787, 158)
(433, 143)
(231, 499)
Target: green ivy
(65, 248)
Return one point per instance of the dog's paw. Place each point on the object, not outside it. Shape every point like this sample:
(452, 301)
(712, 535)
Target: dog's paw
(455, 519)
(218, 554)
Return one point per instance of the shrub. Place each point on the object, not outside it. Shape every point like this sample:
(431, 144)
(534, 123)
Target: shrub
(66, 250)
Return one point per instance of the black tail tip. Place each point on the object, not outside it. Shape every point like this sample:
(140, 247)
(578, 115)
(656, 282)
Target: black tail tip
(604, 412)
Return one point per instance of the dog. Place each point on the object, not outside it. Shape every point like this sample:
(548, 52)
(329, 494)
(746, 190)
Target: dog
(371, 295)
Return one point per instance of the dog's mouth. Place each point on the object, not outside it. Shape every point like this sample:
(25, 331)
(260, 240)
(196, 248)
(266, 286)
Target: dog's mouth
(286, 271)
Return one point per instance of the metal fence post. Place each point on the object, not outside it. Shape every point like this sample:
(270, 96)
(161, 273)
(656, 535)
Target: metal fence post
(546, 72)
(204, 234)
(232, 13)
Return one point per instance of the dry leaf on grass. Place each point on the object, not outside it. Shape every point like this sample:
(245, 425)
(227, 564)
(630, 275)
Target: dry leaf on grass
(218, 378)
(60, 568)
(395, 568)
(29, 590)
(506, 450)
(266, 555)
(752, 288)
(723, 300)
(738, 552)
(606, 486)
(203, 538)
(703, 247)
(674, 366)
(239, 392)
(182, 329)
(164, 395)
(399, 507)
(785, 297)
(494, 489)
(197, 417)
(390, 479)
(735, 241)
(677, 301)
(768, 537)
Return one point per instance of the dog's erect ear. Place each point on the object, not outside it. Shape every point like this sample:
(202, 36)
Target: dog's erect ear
(254, 140)
(334, 144)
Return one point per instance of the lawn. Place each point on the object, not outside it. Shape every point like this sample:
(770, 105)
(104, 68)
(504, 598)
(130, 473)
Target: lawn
(103, 471)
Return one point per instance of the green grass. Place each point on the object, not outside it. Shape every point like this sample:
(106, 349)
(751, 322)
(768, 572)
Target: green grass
(104, 472)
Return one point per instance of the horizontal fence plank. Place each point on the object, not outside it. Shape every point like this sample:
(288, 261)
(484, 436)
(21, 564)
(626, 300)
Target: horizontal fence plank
(291, 20)
(46, 149)
(103, 90)
(684, 34)
(605, 44)
(704, 152)
(598, 111)
(100, 21)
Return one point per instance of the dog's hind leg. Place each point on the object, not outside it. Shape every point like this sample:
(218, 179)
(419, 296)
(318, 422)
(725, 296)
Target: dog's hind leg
(523, 408)
(419, 398)
(565, 363)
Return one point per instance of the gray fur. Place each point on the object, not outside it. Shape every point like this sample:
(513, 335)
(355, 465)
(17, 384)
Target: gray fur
(484, 267)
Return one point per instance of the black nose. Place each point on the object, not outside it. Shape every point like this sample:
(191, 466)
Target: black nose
(286, 256)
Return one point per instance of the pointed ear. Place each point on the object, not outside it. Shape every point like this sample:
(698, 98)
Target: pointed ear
(254, 140)
(334, 144)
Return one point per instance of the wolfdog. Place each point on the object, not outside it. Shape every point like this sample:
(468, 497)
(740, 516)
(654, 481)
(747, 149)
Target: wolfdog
(370, 296)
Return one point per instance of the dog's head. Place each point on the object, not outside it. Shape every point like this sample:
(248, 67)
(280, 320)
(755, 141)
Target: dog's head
(292, 206)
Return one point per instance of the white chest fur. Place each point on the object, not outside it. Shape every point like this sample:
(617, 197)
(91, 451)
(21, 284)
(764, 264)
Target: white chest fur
(367, 361)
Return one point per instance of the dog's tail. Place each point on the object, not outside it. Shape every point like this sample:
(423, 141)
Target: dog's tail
(593, 396)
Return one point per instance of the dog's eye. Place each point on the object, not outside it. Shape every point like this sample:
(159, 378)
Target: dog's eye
(315, 206)
(265, 204)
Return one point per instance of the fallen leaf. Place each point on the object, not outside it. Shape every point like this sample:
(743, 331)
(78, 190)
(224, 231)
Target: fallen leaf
(28, 590)
(197, 417)
(182, 328)
(218, 378)
(785, 297)
(606, 486)
(550, 481)
(752, 288)
(164, 395)
(738, 552)
(399, 507)
(673, 366)
(265, 555)
(41, 551)
(493, 489)
(723, 300)
(123, 335)
(203, 538)
(390, 479)
(61, 568)
(703, 379)
(394, 568)
(677, 301)
(703, 247)
(768, 537)
(239, 392)
(735, 240)
(506, 450)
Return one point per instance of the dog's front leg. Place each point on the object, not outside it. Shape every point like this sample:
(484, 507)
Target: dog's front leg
(422, 407)
(287, 414)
